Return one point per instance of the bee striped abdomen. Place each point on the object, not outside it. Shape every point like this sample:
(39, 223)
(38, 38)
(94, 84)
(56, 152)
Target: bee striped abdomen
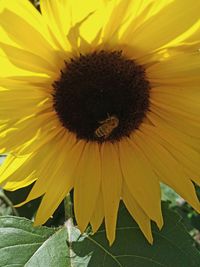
(107, 126)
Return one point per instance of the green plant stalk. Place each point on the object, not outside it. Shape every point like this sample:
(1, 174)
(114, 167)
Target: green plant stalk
(8, 203)
(68, 207)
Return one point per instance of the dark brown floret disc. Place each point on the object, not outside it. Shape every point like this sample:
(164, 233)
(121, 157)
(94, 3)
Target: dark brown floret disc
(101, 96)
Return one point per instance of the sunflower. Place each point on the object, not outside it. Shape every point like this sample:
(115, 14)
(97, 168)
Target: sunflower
(101, 97)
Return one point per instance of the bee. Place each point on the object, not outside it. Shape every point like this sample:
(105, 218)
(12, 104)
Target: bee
(107, 126)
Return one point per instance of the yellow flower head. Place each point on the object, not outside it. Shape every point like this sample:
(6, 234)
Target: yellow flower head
(102, 97)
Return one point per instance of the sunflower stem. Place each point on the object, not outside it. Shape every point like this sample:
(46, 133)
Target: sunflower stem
(68, 207)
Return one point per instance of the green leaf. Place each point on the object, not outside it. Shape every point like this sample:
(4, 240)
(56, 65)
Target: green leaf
(6, 206)
(170, 195)
(172, 246)
(22, 245)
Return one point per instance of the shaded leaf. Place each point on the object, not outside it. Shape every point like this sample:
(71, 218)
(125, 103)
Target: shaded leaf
(22, 245)
(170, 195)
(172, 247)
(6, 206)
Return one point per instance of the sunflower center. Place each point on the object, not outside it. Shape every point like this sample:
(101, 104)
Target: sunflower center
(101, 96)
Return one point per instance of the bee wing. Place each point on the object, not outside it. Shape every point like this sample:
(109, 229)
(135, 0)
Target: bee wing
(102, 122)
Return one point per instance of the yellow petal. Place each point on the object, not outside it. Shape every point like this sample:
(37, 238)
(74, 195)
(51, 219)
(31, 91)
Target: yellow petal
(98, 214)
(19, 103)
(138, 17)
(186, 138)
(42, 138)
(91, 26)
(180, 93)
(195, 36)
(87, 184)
(38, 80)
(65, 148)
(16, 171)
(178, 105)
(111, 187)
(186, 103)
(12, 186)
(178, 68)
(51, 200)
(130, 15)
(9, 69)
(13, 136)
(10, 166)
(60, 181)
(26, 60)
(73, 27)
(137, 213)
(162, 29)
(185, 154)
(26, 83)
(57, 15)
(188, 38)
(26, 10)
(59, 185)
(119, 10)
(169, 169)
(40, 46)
(176, 119)
(141, 180)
